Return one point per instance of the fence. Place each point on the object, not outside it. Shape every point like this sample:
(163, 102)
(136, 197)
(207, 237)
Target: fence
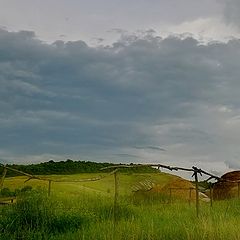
(194, 170)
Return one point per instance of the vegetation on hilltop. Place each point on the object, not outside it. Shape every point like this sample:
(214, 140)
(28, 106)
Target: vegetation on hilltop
(68, 167)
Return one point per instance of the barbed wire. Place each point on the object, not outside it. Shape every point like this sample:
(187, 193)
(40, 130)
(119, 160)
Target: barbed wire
(194, 170)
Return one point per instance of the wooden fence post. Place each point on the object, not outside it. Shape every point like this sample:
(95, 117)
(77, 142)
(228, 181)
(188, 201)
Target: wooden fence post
(197, 193)
(3, 177)
(115, 206)
(49, 187)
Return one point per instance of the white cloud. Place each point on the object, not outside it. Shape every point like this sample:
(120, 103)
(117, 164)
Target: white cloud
(204, 29)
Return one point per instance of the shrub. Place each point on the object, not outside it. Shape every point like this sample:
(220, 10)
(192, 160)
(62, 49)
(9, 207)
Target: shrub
(6, 192)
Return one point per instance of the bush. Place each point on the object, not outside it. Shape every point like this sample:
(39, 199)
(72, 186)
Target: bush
(6, 192)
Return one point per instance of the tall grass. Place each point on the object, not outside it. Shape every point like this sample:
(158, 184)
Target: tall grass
(90, 216)
(35, 216)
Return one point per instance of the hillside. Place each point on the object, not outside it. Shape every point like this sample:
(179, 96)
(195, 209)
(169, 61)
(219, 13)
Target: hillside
(67, 179)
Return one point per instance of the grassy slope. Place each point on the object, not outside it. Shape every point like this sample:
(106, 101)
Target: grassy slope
(88, 216)
(76, 202)
(105, 185)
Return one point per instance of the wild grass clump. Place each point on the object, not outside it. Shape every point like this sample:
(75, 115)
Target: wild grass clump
(100, 208)
(84, 212)
(35, 216)
(6, 192)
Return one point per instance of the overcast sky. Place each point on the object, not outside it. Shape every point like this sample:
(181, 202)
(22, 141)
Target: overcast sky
(121, 81)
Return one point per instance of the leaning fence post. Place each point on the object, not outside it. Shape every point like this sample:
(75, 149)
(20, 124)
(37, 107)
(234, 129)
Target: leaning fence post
(49, 187)
(197, 192)
(3, 176)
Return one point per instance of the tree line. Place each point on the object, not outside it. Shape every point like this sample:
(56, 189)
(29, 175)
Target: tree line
(69, 167)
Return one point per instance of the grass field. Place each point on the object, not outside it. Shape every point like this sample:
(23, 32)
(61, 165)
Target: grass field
(104, 186)
(85, 211)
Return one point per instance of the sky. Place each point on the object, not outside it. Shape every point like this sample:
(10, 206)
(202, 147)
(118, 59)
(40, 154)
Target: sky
(140, 81)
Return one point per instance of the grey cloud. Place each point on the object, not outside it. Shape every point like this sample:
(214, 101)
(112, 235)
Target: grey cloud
(126, 155)
(93, 19)
(150, 148)
(70, 98)
(233, 163)
(231, 11)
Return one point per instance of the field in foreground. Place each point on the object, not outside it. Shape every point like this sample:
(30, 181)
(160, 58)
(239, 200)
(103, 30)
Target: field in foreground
(85, 211)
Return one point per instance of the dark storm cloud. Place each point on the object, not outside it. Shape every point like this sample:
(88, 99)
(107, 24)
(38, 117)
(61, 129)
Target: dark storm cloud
(69, 98)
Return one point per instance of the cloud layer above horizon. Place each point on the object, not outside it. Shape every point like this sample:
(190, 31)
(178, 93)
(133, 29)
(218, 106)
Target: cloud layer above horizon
(142, 99)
